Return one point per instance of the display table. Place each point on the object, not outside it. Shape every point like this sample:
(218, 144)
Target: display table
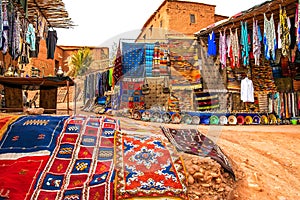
(47, 86)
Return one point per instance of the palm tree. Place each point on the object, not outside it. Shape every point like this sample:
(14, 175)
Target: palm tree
(81, 61)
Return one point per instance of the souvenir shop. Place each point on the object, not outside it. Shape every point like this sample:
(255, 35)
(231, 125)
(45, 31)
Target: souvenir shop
(24, 24)
(257, 55)
(242, 70)
(158, 77)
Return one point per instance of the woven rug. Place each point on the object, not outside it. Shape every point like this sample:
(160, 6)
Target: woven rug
(18, 177)
(6, 120)
(193, 142)
(81, 166)
(147, 168)
(32, 133)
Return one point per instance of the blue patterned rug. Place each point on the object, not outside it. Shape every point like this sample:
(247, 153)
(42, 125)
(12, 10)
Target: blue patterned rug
(32, 133)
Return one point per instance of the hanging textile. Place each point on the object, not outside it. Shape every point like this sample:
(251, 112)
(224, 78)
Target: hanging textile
(100, 85)
(277, 104)
(247, 90)
(212, 48)
(149, 58)
(222, 49)
(51, 44)
(245, 47)
(284, 40)
(117, 74)
(133, 59)
(16, 37)
(235, 50)
(297, 24)
(5, 30)
(35, 53)
(257, 38)
(263, 102)
(110, 77)
(1, 24)
(269, 37)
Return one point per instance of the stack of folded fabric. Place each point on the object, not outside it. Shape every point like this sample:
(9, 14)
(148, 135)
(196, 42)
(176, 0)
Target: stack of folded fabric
(206, 101)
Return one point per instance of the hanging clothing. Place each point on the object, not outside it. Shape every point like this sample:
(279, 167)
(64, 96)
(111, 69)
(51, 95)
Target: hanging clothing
(51, 44)
(35, 54)
(297, 24)
(5, 30)
(30, 37)
(245, 44)
(117, 73)
(222, 49)
(1, 24)
(247, 90)
(228, 45)
(212, 48)
(234, 50)
(16, 47)
(269, 38)
(257, 38)
(285, 38)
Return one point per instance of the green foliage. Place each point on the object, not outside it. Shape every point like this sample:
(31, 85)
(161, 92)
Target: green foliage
(82, 59)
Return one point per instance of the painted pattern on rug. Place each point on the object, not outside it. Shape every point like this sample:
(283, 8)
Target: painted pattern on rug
(81, 166)
(147, 167)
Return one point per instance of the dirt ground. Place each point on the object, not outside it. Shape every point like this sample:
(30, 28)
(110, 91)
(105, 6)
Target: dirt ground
(266, 158)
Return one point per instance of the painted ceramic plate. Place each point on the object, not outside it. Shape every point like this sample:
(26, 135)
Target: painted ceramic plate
(264, 119)
(166, 117)
(195, 120)
(248, 120)
(240, 119)
(232, 120)
(137, 115)
(256, 119)
(187, 119)
(156, 117)
(205, 120)
(146, 115)
(223, 120)
(272, 119)
(214, 120)
(176, 118)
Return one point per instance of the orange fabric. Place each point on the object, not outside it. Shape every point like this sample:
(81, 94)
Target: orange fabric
(6, 120)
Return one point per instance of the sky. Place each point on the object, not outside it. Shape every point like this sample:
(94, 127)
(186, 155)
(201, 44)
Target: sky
(100, 23)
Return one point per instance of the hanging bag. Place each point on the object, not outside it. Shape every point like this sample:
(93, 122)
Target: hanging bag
(166, 88)
(145, 88)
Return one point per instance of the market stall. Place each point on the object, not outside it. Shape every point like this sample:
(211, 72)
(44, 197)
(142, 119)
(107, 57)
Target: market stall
(256, 53)
(14, 88)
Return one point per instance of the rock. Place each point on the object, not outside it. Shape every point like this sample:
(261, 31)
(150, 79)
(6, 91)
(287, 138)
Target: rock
(215, 175)
(218, 180)
(205, 185)
(191, 180)
(198, 175)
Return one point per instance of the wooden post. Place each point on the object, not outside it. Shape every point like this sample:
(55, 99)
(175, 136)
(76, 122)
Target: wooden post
(68, 96)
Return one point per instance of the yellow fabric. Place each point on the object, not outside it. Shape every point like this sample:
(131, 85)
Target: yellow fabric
(8, 122)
